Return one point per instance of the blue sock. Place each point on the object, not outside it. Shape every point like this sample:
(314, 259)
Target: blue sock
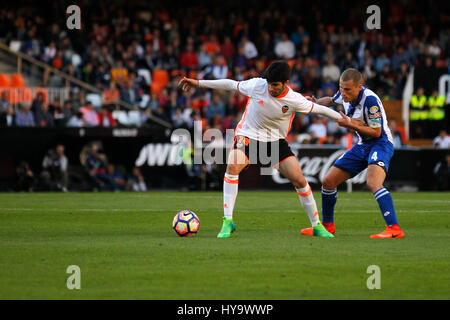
(386, 205)
(329, 198)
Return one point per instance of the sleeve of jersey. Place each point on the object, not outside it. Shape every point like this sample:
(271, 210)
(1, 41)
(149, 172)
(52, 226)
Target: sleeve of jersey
(221, 84)
(303, 105)
(373, 110)
(337, 98)
(253, 88)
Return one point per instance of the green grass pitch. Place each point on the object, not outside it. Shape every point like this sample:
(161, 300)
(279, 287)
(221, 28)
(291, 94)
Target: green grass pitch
(126, 248)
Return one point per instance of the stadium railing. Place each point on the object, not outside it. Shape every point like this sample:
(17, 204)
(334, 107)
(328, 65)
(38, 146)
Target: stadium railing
(27, 64)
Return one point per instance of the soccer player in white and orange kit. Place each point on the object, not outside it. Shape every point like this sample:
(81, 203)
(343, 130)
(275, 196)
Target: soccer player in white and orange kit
(265, 124)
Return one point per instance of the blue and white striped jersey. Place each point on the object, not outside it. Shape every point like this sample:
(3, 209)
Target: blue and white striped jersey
(369, 109)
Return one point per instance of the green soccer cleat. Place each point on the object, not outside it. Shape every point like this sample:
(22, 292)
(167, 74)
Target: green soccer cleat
(228, 226)
(320, 231)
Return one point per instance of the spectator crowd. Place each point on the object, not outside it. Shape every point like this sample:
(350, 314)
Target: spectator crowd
(138, 52)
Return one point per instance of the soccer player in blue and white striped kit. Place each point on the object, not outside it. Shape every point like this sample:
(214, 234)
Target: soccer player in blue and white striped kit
(366, 115)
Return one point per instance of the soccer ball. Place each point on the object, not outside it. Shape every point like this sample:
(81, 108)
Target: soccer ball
(186, 223)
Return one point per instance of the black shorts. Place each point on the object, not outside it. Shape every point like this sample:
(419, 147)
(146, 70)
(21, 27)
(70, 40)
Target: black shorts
(264, 153)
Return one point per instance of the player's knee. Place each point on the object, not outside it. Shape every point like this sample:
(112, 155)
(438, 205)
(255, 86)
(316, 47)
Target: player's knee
(299, 182)
(328, 183)
(234, 169)
(373, 185)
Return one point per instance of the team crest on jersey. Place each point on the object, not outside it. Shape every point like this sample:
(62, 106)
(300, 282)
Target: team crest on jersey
(284, 109)
(373, 109)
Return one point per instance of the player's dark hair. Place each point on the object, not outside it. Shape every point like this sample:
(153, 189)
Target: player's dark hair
(352, 74)
(278, 71)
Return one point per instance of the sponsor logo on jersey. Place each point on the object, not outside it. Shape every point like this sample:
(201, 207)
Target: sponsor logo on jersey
(284, 109)
(374, 115)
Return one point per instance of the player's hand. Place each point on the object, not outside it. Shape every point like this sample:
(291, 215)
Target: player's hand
(187, 84)
(345, 121)
(312, 98)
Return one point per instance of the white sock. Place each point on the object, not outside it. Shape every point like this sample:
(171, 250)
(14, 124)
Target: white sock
(307, 200)
(230, 191)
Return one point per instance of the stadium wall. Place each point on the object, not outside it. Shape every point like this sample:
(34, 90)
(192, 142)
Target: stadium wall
(164, 164)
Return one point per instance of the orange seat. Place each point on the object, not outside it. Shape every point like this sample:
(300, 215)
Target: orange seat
(5, 80)
(156, 87)
(26, 95)
(17, 81)
(161, 77)
(13, 95)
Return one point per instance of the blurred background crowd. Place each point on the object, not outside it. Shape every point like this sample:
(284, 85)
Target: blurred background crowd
(137, 51)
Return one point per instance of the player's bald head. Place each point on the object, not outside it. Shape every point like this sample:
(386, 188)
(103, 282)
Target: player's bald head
(353, 75)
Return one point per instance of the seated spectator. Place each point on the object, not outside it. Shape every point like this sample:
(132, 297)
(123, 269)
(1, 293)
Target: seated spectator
(8, 118)
(249, 48)
(212, 46)
(116, 177)
(168, 60)
(119, 73)
(189, 59)
(227, 49)
(218, 69)
(349, 61)
(331, 70)
(44, 118)
(90, 116)
(381, 61)
(130, 94)
(215, 108)
(105, 118)
(55, 164)
(95, 163)
(178, 120)
(328, 84)
(442, 141)
(37, 102)
(285, 49)
(112, 94)
(25, 177)
(76, 120)
(24, 116)
(136, 181)
(317, 130)
(4, 103)
(204, 58)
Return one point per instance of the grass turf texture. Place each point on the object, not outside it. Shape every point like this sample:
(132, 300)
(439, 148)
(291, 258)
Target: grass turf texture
(126, 249)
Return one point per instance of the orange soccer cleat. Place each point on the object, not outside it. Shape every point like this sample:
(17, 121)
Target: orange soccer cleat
(393, 231)
(328, 225)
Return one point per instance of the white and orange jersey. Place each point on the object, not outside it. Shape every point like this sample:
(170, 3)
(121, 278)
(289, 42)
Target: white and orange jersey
(268, 118)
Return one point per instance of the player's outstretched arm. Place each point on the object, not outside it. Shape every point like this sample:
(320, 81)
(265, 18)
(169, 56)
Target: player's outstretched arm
(324, 101)
(359, 126)
(223, 84)
(325, 111)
